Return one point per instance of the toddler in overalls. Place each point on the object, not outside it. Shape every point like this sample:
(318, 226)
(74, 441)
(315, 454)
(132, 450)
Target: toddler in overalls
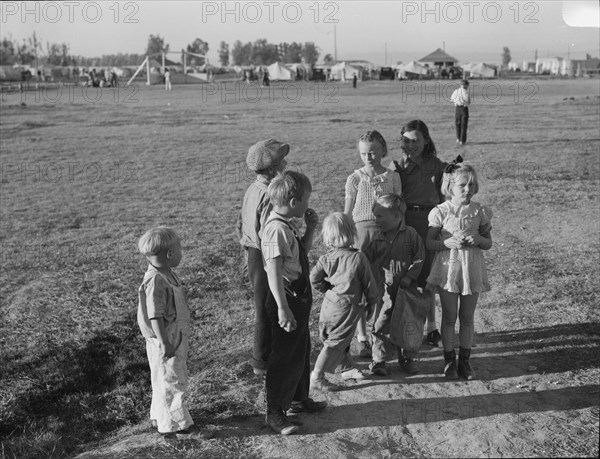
(164, 320)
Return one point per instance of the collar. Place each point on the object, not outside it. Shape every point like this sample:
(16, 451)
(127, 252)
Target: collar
(343, 249)
(381, 237)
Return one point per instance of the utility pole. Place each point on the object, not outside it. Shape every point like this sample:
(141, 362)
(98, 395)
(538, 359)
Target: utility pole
(334, 44)
(386, 53)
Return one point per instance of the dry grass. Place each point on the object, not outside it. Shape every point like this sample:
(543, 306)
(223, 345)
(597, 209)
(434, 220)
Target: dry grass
(73, 370)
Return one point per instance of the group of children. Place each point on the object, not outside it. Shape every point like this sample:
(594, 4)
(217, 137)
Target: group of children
(407, 231)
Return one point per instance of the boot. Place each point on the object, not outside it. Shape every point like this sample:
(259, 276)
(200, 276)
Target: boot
(464, 367)
(450, 366)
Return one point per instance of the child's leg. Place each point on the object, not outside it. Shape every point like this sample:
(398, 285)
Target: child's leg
(449, 302)
(262, 325)
(288, 359)
(466, 317)
(169, 405)
(153, 353)
(327, 361)
(361, 328)
(431, 315)
(467, 329)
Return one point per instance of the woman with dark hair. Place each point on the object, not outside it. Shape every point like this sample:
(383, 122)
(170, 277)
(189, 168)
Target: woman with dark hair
(421, 174)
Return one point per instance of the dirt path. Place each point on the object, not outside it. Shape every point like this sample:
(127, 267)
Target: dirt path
(537, 394)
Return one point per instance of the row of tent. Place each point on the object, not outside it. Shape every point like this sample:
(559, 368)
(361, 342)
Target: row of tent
(474, 69)
(341, 71)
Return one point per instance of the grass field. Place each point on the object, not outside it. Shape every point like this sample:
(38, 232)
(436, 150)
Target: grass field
(85, 174)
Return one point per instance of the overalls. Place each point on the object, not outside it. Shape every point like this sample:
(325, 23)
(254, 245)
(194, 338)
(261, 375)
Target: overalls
(170, 376)
(288, 373)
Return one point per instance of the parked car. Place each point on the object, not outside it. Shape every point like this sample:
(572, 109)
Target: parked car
(387, 73)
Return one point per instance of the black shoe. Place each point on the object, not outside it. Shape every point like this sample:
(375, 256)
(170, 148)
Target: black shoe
(433, 338)
(450, 369)
(409, 366)
(465, 370)
(278, 422)
(307, 406)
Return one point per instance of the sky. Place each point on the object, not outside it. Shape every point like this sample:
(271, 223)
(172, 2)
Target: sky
(383, 32)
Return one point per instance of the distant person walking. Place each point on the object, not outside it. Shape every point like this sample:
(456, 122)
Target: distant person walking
(461, 100)
(354, 80)
(167, 79)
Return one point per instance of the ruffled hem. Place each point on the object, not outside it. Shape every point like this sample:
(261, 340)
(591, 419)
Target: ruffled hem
(460, 271)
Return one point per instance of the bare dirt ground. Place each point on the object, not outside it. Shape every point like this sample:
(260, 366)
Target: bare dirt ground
(533, 397)
(537, 392)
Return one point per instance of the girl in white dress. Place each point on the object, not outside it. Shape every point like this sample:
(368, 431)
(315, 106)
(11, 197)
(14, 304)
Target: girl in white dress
(459, 229)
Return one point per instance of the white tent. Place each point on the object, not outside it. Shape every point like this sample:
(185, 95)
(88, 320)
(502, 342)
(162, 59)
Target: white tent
(468, 66)
(343, 71)
(481, 70)
(301, 70)
(278, 71)
(412, 67)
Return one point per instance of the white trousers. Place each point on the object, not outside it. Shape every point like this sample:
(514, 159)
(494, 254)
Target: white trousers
(169, 383)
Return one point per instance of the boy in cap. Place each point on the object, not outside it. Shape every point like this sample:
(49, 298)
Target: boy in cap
(267, 159)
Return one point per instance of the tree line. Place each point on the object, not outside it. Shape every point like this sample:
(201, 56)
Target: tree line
(32, 51)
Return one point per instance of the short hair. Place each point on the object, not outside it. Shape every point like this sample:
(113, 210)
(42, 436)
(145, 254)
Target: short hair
(339, 230)
(449, 178)
(392, 202)
(288, 185)
(418, 125)
(374, 136)
(156, 240)
(464, 83)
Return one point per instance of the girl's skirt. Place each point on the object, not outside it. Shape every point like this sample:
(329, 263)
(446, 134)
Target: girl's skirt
(459, 271)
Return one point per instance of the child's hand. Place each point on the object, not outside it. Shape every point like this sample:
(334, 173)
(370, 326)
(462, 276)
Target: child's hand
(405, 282)
(169, 350)
(472, 241)
(454, 242)
(287, 321)
(311, 218)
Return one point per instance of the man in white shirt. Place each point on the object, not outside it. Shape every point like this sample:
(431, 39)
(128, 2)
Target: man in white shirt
(461, 99)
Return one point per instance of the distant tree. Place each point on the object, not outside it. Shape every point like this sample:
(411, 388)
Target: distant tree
(505, 57)
(263, 53)
(241, 53)
(310, 53)
(198, 46)
(8, 53)
(156, 45)
(328, 59)
(25, 55)
(587, 56)
(224, 54)
(57, 54)
(290, 52)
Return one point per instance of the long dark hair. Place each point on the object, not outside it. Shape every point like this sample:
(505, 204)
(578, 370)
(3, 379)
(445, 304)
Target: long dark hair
(418, 125)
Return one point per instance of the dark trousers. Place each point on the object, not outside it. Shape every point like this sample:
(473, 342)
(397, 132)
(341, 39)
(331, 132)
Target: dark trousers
(262, 324)
(461, 119)
(288, 373)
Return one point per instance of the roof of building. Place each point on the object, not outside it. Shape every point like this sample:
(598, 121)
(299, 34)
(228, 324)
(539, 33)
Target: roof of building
(438, 56)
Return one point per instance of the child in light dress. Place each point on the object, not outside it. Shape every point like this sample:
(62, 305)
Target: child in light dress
(363, 187)
(459, 229)
(344, 275)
